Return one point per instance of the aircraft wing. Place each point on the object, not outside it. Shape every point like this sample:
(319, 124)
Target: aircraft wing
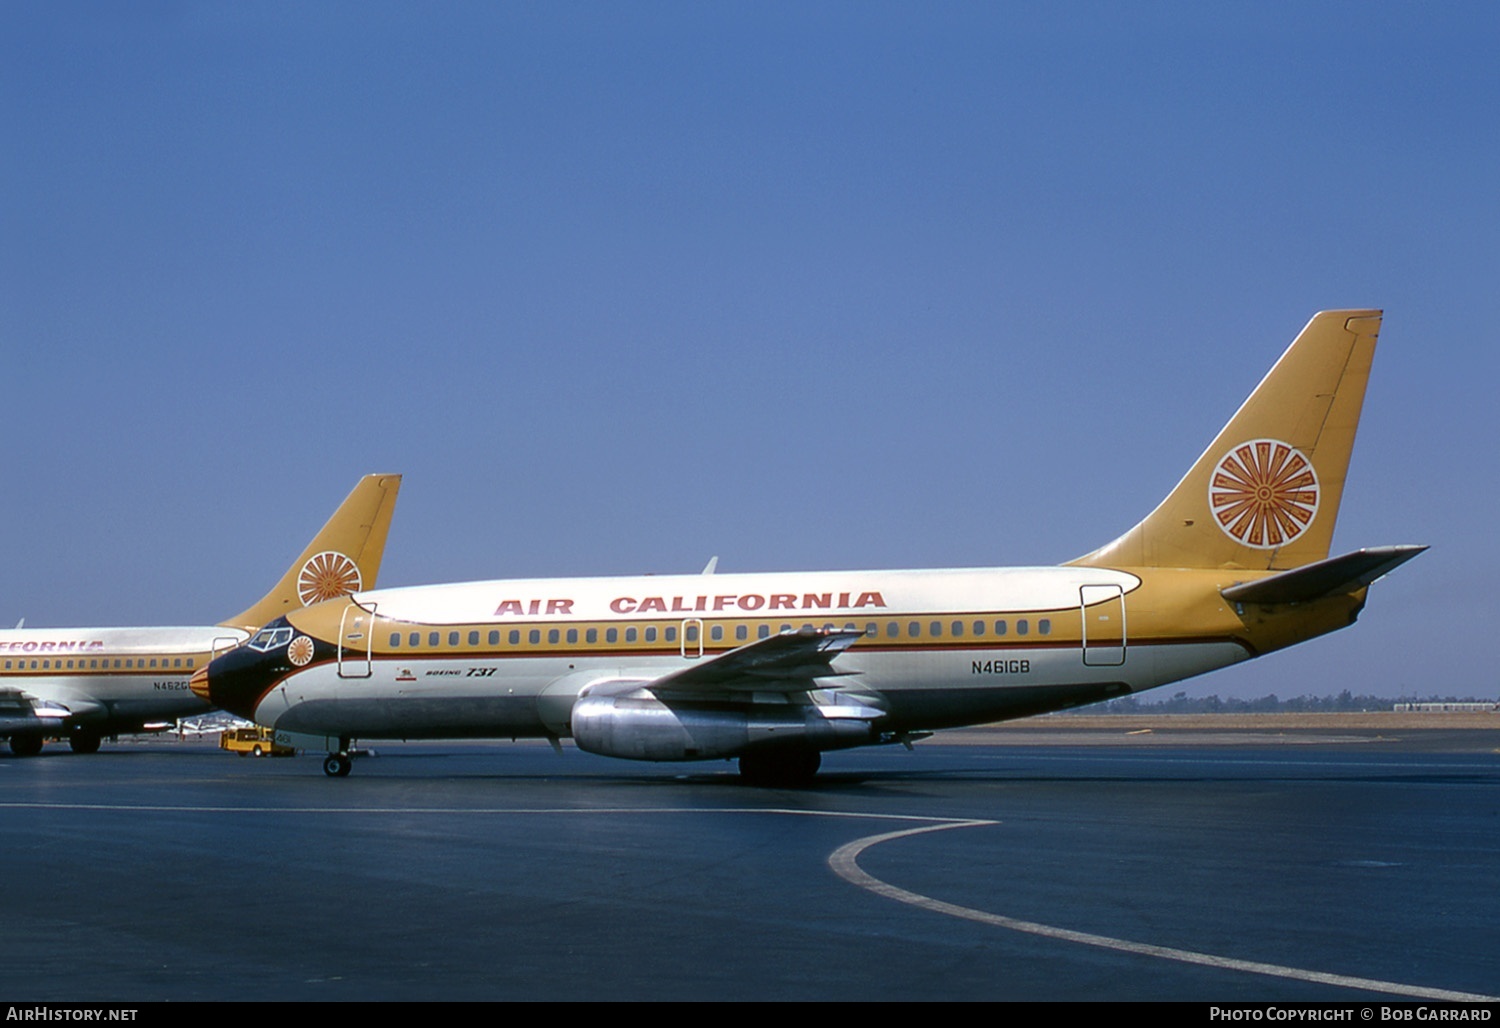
(22, 712)
(787, 662)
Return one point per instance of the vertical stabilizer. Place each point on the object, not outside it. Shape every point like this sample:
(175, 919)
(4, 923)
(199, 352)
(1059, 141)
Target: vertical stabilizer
(342, 558)
(1265, 494)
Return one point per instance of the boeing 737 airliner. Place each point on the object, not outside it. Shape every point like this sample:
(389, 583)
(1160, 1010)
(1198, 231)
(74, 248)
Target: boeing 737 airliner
(87, 683)
(773, 669)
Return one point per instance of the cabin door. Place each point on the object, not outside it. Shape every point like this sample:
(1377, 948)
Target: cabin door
(692, 637)
(1103, 609)
(222, 644)
(356, 641)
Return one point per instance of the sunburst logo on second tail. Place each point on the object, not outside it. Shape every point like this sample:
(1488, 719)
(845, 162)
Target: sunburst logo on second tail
(327, 576)
(1264, 493)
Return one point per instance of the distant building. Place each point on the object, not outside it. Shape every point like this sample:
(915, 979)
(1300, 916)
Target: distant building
(1402, 708)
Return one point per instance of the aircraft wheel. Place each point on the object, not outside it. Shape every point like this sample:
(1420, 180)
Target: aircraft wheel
(26, 745)
(338, 765)
(787, 769)
(84, 742)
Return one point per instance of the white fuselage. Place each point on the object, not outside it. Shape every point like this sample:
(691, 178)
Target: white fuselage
(937, 648)
(112, 678)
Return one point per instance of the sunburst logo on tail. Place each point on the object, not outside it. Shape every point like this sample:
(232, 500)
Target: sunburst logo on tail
(327, 576)
(1264, 493)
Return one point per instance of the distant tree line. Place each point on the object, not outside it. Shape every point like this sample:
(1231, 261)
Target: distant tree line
(1344, 702)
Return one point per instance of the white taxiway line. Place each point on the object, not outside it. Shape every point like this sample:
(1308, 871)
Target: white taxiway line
(845, 864)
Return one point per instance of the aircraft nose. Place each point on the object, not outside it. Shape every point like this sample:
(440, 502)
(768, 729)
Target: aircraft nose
(199, 684)
(238, 680)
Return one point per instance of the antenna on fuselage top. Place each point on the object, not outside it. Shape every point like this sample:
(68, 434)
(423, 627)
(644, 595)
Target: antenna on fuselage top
(712, 565)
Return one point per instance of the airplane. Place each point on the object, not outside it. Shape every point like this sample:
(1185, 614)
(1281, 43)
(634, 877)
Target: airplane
(773, 669)
(88, 683)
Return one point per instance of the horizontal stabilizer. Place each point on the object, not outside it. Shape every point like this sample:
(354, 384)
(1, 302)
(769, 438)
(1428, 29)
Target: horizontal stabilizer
(1324, 578)
(787, 662)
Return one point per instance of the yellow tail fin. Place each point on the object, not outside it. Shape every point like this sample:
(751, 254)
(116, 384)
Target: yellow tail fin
(1266, 492)
(342, 558)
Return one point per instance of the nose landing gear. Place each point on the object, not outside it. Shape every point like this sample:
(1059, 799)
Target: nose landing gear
(338, 765)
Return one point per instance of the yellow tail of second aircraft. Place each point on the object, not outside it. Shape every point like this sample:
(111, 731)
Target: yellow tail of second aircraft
(1265, 494)
(342, 558)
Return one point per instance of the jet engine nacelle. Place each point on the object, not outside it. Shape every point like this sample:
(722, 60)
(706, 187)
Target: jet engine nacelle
(639, 726)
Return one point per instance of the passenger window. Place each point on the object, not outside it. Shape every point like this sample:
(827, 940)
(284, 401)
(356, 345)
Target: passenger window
(763, 632)
(999, 627)
(630, 634)
(937, 629)
(432, 638)
(572, 636)
(1044, 626)
(914, 629)
(958, 629)
(535, 635)
(395, 640)
(452, 638)
(742, 632)
(515, 637)
(979, 628)
(591, 636)
(892, 630)
(415, 639)
(611, 635)
(651, 634)
(494, 638)
(474, 638)
(554, 635)
(717, 632)
(1022, 627)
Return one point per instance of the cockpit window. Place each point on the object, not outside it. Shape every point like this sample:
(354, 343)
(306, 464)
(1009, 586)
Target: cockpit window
(268, 639)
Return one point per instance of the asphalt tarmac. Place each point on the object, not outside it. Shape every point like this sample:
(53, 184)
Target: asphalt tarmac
(1318, 867)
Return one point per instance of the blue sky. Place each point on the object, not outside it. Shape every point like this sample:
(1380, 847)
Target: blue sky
(619, 287)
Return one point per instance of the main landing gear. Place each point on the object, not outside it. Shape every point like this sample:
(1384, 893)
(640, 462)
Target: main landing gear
(84, 741)
(782, 769)
(29, 744)
(26, 744)
(338, 765)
